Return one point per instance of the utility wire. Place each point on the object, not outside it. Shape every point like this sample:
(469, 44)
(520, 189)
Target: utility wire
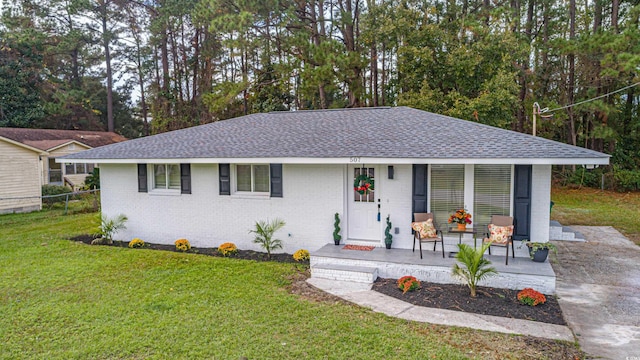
(595, 98)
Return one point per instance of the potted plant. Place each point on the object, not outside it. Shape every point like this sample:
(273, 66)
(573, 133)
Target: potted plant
(538, 251)
(336, 230)
(461, 217)
(388, 238)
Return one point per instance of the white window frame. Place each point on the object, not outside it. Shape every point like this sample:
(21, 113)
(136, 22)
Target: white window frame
(252, 193)
(509, 208)
(469, 191)
(440, 218)
(151, 170)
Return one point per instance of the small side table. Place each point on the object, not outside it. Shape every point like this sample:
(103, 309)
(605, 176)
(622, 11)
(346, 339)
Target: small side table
(470, 230)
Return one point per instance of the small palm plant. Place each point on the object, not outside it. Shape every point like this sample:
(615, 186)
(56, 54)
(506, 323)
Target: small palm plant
(264, 231)
(475, 267)
(108, 228)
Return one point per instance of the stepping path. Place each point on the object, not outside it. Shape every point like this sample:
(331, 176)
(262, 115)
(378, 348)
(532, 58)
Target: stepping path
(361, 294)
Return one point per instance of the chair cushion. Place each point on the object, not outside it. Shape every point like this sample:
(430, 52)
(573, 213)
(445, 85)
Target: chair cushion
(425, 229)
(500, 234)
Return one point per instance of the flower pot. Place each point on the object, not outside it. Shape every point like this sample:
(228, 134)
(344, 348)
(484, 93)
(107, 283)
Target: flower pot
(388, 245)
(337, 242)
(462, 227)
(539, 255)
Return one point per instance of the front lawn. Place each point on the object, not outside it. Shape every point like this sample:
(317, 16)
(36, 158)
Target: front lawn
(594, 207)
(61, 299)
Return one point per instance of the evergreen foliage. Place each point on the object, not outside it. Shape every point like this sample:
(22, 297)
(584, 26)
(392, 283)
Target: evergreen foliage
(264, 231)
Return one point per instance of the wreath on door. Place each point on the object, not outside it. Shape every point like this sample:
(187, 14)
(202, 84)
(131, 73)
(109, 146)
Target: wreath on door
(363, 184)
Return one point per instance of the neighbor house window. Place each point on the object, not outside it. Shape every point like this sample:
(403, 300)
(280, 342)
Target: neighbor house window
(78, 168)
(492, 192)
(447, 191)
(252, 178)
(166, 176)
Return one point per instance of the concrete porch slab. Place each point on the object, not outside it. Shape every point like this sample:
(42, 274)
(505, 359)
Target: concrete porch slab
(395, 263)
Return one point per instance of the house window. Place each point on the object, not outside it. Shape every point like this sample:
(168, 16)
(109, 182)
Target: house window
(447, 191)
(166, 176)
(492, 192)
(252, 178)
(78, 168)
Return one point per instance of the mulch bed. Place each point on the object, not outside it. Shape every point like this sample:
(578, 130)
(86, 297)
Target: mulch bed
(489, 301)
(242, 254)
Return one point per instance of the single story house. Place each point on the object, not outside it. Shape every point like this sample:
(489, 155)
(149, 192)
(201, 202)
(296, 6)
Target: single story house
(211, 183)
(20, 174)
(27, 161)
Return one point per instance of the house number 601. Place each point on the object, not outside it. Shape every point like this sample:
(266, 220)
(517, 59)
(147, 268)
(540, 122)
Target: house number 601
(354, 159)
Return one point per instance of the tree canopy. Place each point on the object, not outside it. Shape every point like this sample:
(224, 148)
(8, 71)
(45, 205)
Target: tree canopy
(144, 67)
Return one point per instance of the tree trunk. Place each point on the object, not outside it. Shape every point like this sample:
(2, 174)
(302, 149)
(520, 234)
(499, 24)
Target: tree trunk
(107, 55)
(572, 75)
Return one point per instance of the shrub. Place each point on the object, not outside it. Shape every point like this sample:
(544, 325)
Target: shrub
(626, 180)
(530, 297)
(92, 181)
(136, 243)
(336, 229)
(108, 227)
(228, 249)
(476, 267)
(408, 283)
(264, 231)
(50, 190)
(182, 245)
(301, 255)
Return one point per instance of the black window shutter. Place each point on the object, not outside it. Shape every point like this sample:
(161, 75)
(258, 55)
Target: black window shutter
(419, 196)
(142, 178)
(225, 179)
(276, 180)
(522, 202)
(185, 178)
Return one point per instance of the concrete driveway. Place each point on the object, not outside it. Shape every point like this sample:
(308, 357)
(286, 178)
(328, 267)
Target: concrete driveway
(598, 286)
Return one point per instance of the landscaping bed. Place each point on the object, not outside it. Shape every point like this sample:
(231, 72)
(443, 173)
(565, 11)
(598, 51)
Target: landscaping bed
(241, 254)
(489, 301)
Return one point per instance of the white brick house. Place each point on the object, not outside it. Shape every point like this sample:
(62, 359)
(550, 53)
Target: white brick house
(210, 183)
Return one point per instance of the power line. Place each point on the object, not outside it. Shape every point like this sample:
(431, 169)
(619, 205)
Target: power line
(595, 98)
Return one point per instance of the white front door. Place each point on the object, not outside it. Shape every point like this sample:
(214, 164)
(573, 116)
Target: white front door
(364, 222)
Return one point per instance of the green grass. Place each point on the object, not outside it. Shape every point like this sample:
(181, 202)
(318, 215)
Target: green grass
(64, 300)
(598, 208)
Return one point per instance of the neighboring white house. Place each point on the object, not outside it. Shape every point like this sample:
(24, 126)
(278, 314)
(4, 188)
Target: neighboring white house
(211, 183)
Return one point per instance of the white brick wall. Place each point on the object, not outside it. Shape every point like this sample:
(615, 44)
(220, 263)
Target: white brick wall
(442, 274)
(540, 199)
(312, 194)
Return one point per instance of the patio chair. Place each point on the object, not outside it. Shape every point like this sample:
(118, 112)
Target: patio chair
(500, 233)
(425, 231)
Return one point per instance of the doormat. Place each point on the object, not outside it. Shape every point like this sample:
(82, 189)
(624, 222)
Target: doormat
(358, 247)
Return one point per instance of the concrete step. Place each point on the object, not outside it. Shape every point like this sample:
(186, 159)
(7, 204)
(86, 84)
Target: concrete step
(559, 232)
(361, 274)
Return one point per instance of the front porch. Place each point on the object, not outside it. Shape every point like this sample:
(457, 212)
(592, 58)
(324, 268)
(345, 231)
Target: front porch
(334, 262)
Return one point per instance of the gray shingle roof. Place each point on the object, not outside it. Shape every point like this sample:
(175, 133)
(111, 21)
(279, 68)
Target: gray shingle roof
(398, 132)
